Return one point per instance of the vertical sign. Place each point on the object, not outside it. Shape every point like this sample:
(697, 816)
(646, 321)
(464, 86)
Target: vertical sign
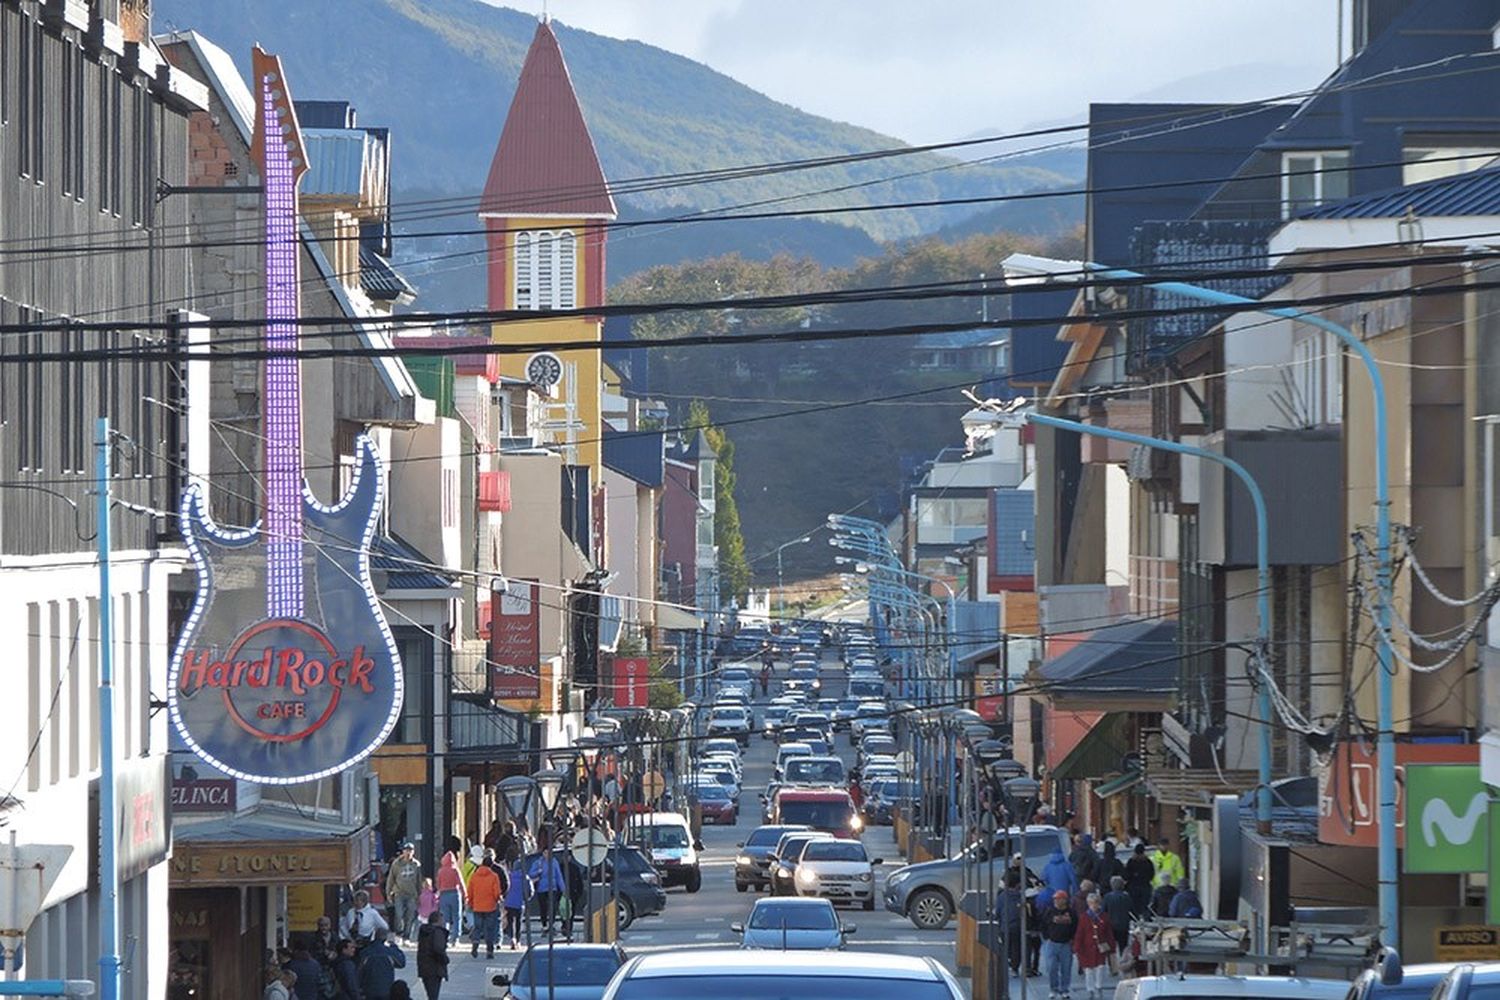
(632, 682)
(1447, 819)
(516, 641)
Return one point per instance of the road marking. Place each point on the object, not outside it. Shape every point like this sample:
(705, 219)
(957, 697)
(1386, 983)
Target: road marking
(707, 936)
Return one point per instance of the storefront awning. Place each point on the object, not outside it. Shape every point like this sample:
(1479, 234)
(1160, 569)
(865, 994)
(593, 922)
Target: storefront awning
(1131, 666)
(1099, 751)
(264, 847)
(1195, 788)
(1123, 783)
(675, 619)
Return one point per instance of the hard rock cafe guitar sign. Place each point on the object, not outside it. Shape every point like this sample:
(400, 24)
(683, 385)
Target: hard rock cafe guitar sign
(285, 670)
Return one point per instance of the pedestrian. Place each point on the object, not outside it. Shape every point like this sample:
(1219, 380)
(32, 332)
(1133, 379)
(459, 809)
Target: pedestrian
(377, 967)
(1161, 900)
(1081, 897)
(1133, 839)
(400, 990)
(1140, 873)
(1094, 944)
(1059, 925)
(546, 875)
(403, 887)
(1058, 875)
(578, 887)
(325, 944)
(1185, 902)
(309, 984)
(346, 972)
(1120, 907)
(451, 896)
(1084, 858)
(484, 899)
(432, 955)
(1108, 867)
(1168, 865)
(516, 896)
(362, 921)
(1008, 908)
(278, 983)
(427, 903)
(493, 836)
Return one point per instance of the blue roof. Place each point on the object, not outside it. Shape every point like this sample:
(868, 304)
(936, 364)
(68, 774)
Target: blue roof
(405, 567)
(1013, 516)
(336, 160)
(1133, 656)
(1473, 193)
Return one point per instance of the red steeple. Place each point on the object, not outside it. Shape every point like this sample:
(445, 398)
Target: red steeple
(546, 163)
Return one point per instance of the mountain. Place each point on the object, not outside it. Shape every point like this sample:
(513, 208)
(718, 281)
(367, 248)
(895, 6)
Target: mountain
(441, 73)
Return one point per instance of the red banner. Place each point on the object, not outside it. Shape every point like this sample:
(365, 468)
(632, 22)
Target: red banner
(1347, 800)
(632, 682)
(516, 641)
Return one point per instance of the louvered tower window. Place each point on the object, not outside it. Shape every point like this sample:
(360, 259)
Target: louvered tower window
(546, 269)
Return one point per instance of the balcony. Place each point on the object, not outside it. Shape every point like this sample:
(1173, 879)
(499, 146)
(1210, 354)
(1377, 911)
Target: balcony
(1300, 472)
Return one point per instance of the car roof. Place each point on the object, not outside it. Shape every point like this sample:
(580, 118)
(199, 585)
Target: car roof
(821, 759)
(793, 901)
(737, 962)
(811, 794)
(659, 819)
(1259, 987)
(794, 746)
(577, 949)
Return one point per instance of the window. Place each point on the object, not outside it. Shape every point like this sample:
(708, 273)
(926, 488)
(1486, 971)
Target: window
(1427, 158)
(448, 486)
(65, 389)
(705, 532)
(951, 521)
(706, 482)
(1309, 179)
(72, 120)
(23, 63)
(39, 104)
(546, 269)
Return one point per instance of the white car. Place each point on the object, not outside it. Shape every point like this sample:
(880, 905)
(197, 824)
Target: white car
(839, 871)
(732, 721)
(721, 745)
(1230, 988)
(787, 751)
(867, 712)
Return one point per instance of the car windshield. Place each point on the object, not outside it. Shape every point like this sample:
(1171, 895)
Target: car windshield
(663, 836)
(811, 769)
(768, 916)
(869, 711)
(779, 987)
(766, 836)
(897, 789)
(715, 793)
(822, 815)
(792, 847)
(730, 712)
(569, 968)
(835, 850)
(878, 746)
(803, 673)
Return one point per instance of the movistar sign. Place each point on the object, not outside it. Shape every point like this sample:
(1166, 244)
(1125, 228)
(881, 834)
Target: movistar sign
(1447, 819)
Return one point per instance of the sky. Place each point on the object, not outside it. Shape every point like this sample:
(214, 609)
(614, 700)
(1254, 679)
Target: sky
(945, 69)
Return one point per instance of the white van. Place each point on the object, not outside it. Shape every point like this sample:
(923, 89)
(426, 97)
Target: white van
(668, 841)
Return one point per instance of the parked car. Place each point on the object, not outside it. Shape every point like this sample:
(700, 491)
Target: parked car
(640, 890)
(784, 859)
(1469, 981)
(752, 866)
(738, 974)
(828, 809)
(668, 841)
(926, 893)
(1233, 988)
(793, 925)
(561, 971)
(838, 870)
(1411, 982)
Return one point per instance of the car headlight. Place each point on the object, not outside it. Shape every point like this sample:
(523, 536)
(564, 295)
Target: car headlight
(744, 859)
(650, 877)
(856, 823)
(863, 877)
(782, 871)
(806, 878)
(898, 877)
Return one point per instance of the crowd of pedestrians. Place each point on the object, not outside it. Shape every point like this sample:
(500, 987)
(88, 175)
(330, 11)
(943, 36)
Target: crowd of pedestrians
(1084, 906)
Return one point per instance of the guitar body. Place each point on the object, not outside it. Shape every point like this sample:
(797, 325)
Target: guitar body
(287, 698)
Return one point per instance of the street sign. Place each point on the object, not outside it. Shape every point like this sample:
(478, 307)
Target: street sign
(593, 847)
(1447, 819)
(27, 871)
(1466, 943)
(652, 785)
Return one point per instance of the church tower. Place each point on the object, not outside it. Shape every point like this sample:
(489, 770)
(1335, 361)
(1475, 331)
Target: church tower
(544, 208)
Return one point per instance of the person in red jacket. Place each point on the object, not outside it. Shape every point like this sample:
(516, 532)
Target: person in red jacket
(1094, 943)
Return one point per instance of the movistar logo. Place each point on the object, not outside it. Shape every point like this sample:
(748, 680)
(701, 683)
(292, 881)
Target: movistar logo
(1457, 830)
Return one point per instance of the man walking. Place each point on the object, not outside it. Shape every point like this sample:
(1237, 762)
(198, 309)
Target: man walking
(362, 921)
(1059, 926)
(1119, 906)
(484, 900)
(377, 967)
(403, 887)
(1169, 870)
(1140, 873)
(432, 955)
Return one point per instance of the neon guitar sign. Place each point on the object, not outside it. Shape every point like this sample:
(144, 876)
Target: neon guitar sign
(286, 670)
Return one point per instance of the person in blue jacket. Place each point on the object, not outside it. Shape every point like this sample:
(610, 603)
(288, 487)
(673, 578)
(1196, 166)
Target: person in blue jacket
(517, 892)
(377, 967)
(1058, 876)
(547, 877)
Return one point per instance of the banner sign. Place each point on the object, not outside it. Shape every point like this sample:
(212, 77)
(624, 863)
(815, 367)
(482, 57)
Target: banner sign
(143, 826)
(1466, 943)
(1447, 820)
(285, 670)
(632, 682)
(205, 795)
(516, 641)
(1347, 802)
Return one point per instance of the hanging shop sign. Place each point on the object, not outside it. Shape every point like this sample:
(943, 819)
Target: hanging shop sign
(632, 682)
(1447, 819)
(286, 670)
(205, 795)
(143, 827)
(1347, 803)
(516, 641)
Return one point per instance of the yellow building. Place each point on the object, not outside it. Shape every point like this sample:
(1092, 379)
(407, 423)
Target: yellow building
(545, 208)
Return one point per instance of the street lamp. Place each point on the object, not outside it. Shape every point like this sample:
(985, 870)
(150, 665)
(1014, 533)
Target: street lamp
(780, 593)
(549, 783)
(1030, 269)
(1018, 793)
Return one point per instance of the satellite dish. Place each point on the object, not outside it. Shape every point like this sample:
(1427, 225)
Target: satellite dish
(544, 370)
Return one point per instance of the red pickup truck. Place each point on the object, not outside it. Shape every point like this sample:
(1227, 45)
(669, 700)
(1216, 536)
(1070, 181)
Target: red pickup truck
(828, 809)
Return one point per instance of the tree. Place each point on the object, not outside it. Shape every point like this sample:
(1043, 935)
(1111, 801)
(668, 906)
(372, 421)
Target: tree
(734, 567)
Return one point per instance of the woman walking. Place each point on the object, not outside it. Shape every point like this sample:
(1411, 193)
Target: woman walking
(1094, 944)
(432, 955)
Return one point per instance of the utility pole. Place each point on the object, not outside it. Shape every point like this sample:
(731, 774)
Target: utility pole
(109, 866)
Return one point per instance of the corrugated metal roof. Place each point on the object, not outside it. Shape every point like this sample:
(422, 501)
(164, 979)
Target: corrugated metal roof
(405, 567)
(1135, 656)
(1474, 193)
(546, 162)
(337, 159)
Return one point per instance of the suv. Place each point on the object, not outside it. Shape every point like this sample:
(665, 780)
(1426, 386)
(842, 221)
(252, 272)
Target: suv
(667, 840)
(752, 866)
(836, 870)
(730, 720)
(814, 771)
(926, 893)
(828, 809)
(866, 685)
(789, 749)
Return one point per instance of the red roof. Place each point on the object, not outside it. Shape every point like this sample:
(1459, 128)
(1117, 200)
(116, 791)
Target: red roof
(545, 162)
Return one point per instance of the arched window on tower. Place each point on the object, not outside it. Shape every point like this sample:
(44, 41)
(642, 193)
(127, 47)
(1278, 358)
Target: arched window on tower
(525, 297)
(546, 269)
(567, 284)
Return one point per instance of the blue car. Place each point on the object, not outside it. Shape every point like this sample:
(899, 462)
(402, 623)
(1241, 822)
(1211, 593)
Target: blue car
(797, 924)
(563, 971)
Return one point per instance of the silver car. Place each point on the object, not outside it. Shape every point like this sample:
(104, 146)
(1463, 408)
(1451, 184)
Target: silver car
(736, 974)
(927, 893)
(793, 925)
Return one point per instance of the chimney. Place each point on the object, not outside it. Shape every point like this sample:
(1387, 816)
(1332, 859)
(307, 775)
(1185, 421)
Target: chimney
(135, 20)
